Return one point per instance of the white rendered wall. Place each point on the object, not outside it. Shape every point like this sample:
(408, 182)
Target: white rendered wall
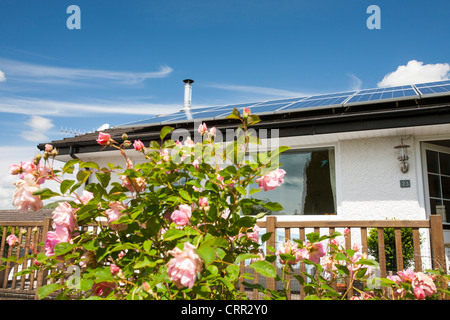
(369, 182)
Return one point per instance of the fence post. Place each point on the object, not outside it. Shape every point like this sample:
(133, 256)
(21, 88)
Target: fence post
(271, 223)
(437, 242)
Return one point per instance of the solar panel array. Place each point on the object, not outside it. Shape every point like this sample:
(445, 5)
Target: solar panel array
(322, 101)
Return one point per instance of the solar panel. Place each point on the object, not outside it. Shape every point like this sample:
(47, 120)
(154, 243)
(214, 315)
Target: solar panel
(330, 100)
(389, 93)
(325, 100)
(434, 88)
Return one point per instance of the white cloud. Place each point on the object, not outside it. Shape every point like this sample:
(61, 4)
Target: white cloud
(2, 76)
(39, 126)
(356, 82)
(416, 72)
(36, 106)
(58, 75)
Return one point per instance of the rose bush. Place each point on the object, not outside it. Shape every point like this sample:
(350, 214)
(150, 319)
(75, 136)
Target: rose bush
(178, 225)
(173, 227)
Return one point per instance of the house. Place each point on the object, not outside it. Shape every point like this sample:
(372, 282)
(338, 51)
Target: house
(360, 155)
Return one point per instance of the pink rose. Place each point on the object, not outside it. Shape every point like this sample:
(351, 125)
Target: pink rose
(212, 131)
(114, 269)
(423, 283)
(113, 214)
(12, 239)
(48, 148)
(103, 138)
(133, 184)
(85, 197)
(138, 145)
(203, 202)
(407, 275)
(202, 128)
(246, 111)
(346, 231)
(63, 217)
(419, 294)
(288, 248)
(315, 251)
(23, 198)
(60, 234)
(181, 217)
(184, 265)
(271, 180)
(15, 169)
(103, 289)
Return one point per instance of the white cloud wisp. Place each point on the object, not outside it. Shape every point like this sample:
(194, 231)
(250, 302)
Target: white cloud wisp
(36, 73)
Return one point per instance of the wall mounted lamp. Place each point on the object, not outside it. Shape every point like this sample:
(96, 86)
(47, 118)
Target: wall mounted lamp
(403, 157)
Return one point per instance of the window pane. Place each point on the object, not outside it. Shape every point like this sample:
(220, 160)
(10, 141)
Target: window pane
(435, 206)
(445, 187)
(432, 161)
(434, 185)
(444, 162)
(309, 183)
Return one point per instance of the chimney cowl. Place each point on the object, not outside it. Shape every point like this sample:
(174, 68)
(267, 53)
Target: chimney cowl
(187, 93)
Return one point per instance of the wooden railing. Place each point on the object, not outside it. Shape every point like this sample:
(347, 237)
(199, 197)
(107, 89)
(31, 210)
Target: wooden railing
(434, 225)
(31, 233)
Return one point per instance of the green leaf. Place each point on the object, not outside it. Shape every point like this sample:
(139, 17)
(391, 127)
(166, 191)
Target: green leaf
(63, 248)
(173, 234)
(165, 131)
(83, 175)
(207, 253)
(185, 195)
(246, 221)
(368, 262)
(69, 166)
(103, 178)
(147, 245)
(313, 237)
(266, 236)
(65, 185)
(264, 268)
(89, 164)
(235, 114)
(44, 291)
(273, 206)
(245, 256)
(253, 119)
(45, 193)
(232, 272)
(241, 190)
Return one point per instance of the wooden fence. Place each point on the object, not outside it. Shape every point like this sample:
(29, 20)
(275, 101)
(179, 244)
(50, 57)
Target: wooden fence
(433, 225)
(31, 233)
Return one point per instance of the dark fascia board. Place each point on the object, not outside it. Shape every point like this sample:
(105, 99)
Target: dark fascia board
(395, 114)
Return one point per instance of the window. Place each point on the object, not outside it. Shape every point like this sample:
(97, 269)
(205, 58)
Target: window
(437, 159)
(309, 186)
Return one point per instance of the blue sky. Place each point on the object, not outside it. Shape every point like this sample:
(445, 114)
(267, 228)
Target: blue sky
(129, 58)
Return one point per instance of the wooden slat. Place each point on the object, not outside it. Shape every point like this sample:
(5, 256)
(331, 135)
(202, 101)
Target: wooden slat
(301, 232)
(416, 244)
(398, 248)
(271, 227)
(364, 246)
(287, 236)
(381, 252)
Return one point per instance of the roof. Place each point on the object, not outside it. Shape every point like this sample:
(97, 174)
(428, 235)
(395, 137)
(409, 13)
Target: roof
(378, 108)
(14, 215)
